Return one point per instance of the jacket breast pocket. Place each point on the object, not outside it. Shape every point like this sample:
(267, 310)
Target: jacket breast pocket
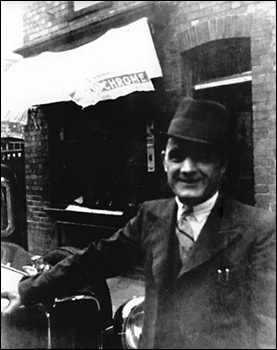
(229, 275)
(224, 276)
(229, 286)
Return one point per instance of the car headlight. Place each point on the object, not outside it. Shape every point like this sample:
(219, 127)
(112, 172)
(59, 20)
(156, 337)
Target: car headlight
(128, 322)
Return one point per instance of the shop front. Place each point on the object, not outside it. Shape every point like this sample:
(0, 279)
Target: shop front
(91, 159)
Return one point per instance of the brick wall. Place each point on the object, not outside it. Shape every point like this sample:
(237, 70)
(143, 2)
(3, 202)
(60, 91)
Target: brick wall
(40, 227)
(264, 104)
(44, 18)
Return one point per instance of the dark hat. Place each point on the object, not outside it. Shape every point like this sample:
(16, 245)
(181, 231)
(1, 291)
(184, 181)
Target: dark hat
(199, 121)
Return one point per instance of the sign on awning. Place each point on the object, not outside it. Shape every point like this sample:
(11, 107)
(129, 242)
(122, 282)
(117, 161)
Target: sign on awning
(121, 61)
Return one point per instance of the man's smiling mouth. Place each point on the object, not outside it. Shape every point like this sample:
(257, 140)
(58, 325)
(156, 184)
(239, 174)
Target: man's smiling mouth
(190, 181)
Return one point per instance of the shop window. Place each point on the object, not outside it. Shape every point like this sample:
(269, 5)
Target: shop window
(102, 156)
(215, 60)
(221, 71)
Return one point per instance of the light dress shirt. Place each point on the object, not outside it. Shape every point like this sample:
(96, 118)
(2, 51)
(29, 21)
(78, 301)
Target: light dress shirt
(199, 215)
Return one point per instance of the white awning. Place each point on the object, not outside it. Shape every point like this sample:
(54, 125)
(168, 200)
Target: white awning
(121, 61)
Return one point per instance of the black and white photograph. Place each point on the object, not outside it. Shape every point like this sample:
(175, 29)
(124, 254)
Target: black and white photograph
(138, 174)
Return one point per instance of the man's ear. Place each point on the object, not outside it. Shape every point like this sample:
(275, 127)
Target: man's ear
(163, 159)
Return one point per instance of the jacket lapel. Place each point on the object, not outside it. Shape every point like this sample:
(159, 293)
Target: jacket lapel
(218, 232)
(161, 238)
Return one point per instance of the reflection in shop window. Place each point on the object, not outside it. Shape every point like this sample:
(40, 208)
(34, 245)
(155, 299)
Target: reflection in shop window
(7, 209)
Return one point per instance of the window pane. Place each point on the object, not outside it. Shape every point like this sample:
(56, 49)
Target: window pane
(217, 59)
(79, 5)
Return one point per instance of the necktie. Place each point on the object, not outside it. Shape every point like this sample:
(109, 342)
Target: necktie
(185, 234)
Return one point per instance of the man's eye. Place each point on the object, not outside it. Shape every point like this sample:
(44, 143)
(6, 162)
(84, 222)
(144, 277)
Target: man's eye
(198, 158)
(175, 156)
(203, 158)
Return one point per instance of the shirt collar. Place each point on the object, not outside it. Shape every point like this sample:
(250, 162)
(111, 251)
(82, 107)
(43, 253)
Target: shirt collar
(201, 210)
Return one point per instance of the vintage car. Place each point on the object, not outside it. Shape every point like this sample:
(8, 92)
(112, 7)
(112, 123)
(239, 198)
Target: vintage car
(93, 318)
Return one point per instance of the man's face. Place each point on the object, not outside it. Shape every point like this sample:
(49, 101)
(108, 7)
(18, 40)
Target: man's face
(193, 170)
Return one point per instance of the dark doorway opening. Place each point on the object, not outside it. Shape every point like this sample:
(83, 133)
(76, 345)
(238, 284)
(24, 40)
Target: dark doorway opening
(237, 98)
(220, 70)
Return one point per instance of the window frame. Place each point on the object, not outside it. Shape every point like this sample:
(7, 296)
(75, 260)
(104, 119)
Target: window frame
(87, 10)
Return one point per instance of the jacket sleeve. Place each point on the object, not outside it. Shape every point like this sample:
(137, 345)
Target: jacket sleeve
(263, 288)
(108, 258)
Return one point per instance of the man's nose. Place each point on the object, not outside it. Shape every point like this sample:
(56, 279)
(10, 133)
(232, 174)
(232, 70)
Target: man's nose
(188, 165)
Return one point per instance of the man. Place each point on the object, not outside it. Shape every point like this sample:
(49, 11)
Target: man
(209, 260)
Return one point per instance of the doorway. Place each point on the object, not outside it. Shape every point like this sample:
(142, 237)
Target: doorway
(239, 182)
(220, 71)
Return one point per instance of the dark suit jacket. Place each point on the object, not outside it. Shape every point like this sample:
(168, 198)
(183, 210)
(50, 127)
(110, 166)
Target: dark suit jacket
(195, 307)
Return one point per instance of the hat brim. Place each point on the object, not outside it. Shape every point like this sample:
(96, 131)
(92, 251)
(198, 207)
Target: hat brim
(165, 136)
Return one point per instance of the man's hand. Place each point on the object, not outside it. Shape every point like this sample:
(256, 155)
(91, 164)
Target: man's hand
(10, 301)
